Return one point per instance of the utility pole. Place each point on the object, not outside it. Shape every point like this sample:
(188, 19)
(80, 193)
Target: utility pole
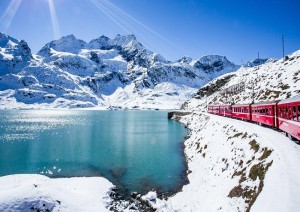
(253, 92)
(258, 55)
(282, 46)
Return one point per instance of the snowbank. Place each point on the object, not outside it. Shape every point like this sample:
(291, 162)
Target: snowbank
(37, 192)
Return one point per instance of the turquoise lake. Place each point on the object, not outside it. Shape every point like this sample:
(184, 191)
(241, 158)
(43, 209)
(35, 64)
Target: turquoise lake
(135, 150)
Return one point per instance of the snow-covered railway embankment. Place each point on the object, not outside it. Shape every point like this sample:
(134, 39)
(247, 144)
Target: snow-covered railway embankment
(236, 166)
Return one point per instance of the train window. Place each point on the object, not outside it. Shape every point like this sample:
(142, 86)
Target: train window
(267, 111)
(294, 113)
(282, 112)
(290, 113)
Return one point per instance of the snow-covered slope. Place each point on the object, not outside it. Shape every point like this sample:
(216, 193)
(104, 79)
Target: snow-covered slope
(274, 80)
(236, 165)
(33, 192)
(106, 73)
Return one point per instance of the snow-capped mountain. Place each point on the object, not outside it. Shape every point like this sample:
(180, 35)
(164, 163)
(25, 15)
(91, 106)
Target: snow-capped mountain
(14, 54)
(256, 62)
(273, 80)
(109, 73)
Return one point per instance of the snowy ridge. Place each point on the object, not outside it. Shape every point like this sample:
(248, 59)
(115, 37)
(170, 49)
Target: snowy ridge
(105, 73)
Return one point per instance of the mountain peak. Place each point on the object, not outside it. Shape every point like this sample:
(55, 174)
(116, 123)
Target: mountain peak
(67, 43)
(103, 42)
(255, 62)
(125, 40)
(185, 59)
(6, 41)
(215, 63)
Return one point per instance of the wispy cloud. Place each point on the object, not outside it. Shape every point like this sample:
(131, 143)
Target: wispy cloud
(129, 24)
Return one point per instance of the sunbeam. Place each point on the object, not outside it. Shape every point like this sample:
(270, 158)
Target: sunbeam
(110, 15)
(55, 24)
(129, 24)
(113, 7)
(9, 14)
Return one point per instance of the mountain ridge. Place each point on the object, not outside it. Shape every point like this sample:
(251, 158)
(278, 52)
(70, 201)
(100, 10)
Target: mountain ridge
(107, 73)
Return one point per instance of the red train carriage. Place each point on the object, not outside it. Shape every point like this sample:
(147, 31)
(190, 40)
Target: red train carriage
(241, 112)
(264, 113)
(288, 116)
(214, 109)
(225, 110)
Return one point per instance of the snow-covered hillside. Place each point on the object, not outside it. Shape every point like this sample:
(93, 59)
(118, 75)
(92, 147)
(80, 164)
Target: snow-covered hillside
(273, 80)
(106, 73)
(236, 165)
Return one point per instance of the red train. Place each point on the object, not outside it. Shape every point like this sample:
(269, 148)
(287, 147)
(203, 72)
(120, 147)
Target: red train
(283, 115)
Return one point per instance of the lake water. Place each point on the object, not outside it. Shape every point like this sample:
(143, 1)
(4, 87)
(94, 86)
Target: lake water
(136, 150)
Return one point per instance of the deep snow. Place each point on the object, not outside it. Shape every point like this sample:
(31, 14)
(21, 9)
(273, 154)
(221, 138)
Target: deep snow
(39, 193)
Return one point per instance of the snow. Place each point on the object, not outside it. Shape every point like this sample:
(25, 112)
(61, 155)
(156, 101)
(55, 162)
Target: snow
(95, 72)
(28, 192)
(293, 99)
(211, 178)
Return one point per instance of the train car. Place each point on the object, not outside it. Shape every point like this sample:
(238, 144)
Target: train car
(242, 111)
(264, 113)
(288, 117)
(225, 110)
(214, 109)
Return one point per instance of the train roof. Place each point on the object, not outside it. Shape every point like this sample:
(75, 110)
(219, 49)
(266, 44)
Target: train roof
(240, 105)
(265, 103)
(293, 99)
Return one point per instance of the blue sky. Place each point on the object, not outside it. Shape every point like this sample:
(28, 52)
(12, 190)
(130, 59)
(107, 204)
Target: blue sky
(173, 28)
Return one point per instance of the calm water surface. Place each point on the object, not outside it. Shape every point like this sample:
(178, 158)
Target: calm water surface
(136, 150)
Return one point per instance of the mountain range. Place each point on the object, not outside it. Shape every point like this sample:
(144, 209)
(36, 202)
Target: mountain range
(116, 73)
